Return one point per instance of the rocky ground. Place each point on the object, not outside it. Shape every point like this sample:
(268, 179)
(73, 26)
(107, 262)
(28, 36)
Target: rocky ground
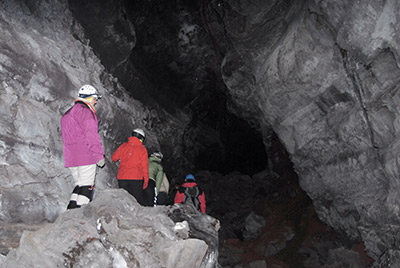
(115, 231)
(267, 220)
(274, 228)
(293, 237)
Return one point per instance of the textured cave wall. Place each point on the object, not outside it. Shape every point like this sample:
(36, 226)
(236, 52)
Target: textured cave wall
(125, 49)
(164, 55)
(324, 75)
(44, 59)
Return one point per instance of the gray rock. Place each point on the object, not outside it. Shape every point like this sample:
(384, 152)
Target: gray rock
(112, 231)
(341, 257)
(257, 264)
(202, 226)
(274, 247)
(11, 234)
(390, 258)
(2, 261)
(229, 256)
(289, 234)
(253, 225)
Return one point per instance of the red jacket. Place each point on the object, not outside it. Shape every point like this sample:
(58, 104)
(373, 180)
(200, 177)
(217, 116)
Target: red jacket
(134, 163)
(180, 196)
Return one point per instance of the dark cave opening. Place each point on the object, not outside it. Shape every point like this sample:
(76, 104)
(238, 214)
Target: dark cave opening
(243, 150)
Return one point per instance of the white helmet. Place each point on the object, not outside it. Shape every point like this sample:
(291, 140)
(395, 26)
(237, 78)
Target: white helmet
(138, 133)
(158, 154)
(88, 90)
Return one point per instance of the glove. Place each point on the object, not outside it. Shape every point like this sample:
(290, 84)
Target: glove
(145, 184)
(101, 163)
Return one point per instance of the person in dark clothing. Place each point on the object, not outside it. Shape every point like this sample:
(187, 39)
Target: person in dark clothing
(171, 195)
(190, 192)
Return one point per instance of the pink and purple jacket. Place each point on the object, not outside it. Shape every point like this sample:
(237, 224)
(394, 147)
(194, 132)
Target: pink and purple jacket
(79, 131)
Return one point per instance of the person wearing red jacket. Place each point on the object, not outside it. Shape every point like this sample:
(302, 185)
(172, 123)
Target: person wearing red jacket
(133, 171)
(82, 145)
(190, 192)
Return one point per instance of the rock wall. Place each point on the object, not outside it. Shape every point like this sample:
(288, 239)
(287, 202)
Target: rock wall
(44, 59)
(324, 76)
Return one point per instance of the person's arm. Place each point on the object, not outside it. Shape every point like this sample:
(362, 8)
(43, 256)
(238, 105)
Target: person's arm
(202, 200)
(117, 154)
(145, 168)
(179, 197)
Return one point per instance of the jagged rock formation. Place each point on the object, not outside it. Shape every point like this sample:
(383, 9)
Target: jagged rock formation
(324, 76)
(115, 231)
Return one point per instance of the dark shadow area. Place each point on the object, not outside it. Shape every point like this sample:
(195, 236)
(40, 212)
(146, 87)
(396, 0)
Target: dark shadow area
(243, 150)
(165, 58)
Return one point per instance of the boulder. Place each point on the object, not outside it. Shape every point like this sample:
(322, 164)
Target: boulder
(113, 231)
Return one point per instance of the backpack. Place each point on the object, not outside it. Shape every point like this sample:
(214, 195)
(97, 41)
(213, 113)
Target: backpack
(192, 196)
(164, 187)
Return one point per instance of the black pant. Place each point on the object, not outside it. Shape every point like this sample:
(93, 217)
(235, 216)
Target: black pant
(162, 198)
(135, 188)
(149, 193)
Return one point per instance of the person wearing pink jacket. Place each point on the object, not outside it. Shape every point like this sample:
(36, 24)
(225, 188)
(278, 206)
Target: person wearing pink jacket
(82, 145)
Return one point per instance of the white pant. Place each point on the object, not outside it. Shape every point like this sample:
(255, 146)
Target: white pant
(84, 175)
